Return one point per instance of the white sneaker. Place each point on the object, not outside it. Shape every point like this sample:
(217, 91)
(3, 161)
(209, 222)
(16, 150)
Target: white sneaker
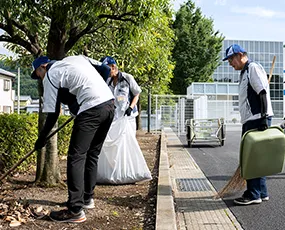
(265, 198)
(89, 205)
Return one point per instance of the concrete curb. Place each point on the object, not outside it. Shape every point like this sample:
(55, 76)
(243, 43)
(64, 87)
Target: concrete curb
(165, 211)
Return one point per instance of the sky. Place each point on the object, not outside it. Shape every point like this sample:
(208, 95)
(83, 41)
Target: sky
(4, 51)
(261, 20)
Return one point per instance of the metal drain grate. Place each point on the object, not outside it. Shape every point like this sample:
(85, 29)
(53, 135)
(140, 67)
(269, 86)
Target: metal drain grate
(194, 184)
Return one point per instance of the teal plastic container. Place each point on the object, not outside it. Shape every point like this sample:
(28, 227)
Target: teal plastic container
(262, 152)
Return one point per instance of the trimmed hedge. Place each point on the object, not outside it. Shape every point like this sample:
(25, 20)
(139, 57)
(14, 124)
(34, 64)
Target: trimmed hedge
(18, 135)
(63, 136)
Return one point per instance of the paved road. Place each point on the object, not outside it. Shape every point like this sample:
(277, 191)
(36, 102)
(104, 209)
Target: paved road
(220, 163)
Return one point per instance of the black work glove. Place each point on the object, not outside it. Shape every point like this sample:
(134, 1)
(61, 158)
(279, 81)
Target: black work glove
(263, 125)
(128, 111)
(40, 142)
(282, 125)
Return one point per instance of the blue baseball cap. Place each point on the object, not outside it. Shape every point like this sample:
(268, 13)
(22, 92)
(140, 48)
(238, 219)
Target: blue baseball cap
(103, 70)
(37, 63)
(108, 60)
(232, 50)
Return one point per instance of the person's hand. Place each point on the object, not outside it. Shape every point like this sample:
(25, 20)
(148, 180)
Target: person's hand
(128, 111)
(263, 125)
(40, 142)
(282, 125)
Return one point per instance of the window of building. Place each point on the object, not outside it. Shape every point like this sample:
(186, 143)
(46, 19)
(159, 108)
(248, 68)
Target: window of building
(212, 97)
(272, 46)
(6, 85)
(6, 109)
(261, 52)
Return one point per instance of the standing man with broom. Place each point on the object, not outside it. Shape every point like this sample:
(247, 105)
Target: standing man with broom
(255, 111)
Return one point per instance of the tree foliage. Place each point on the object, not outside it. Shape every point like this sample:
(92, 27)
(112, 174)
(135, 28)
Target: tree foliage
(28, 86)
(55, 27)
(197, 48)
(137, 33)
(142, 49)
(146, 52)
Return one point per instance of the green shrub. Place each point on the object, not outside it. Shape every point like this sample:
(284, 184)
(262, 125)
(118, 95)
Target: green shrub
(63, 135)
(17, 138)
(18, 135)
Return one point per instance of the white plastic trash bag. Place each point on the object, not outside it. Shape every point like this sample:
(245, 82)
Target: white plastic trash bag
(121, 160)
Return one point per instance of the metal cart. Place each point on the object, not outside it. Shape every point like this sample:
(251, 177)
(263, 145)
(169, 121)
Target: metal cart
(205, 130)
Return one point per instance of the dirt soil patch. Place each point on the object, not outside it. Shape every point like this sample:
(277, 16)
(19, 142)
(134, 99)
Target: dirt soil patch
(117, 207)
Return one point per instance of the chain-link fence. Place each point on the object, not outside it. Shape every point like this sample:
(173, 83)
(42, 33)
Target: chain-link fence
(173, 111)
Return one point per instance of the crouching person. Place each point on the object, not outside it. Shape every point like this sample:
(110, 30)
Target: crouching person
(75, 80)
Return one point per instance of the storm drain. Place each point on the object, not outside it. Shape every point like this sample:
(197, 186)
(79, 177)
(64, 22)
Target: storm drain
(193, 184)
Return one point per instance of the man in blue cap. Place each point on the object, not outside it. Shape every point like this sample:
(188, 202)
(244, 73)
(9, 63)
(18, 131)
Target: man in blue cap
(255, 111)
(74, 80)
(125, 90)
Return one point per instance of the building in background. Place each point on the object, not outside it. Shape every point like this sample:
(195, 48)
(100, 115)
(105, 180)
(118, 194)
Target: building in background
(6, 92)
(222, 94)
(25, 100)
(220, 98)
(34, 107)
(27, 104)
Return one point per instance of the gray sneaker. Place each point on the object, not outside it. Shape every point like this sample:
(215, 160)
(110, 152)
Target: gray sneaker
(89, 205)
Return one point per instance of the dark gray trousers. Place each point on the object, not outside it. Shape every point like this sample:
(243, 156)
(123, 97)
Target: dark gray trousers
(88, 134)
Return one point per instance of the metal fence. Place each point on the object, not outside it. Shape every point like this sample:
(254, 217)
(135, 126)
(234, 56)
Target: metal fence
(173, 111)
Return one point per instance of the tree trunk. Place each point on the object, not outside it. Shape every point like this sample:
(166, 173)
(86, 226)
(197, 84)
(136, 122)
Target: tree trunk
(41, 153)
(41, 120)
(138, 118)
(48, 172)
(51, 171)
(56, 40)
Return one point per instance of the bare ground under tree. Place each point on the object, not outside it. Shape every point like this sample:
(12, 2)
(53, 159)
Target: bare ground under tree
(117, 207)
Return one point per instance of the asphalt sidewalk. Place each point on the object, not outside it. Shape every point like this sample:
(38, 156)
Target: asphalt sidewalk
(185, 196)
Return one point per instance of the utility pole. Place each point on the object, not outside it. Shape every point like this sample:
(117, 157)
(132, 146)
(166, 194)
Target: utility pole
(148, 110)
(18, 91)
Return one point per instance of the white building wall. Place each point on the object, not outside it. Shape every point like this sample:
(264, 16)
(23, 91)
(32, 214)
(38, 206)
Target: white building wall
(6, 97)
(32, 109)
(201, 108)
(215, 100)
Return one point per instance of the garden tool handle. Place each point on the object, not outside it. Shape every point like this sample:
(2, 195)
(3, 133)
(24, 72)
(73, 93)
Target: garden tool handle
(271, 69)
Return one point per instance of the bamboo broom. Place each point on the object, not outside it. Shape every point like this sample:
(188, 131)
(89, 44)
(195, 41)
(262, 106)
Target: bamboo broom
(237, 183)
